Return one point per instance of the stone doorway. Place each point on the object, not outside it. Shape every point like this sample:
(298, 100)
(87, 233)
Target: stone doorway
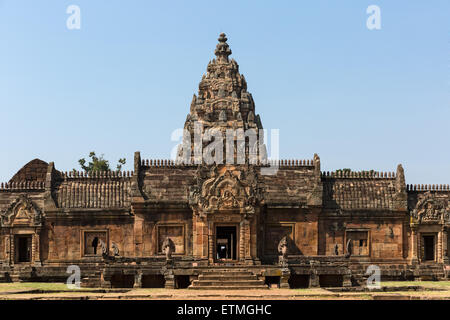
(429, 247)
(23, 248)
(226, 243)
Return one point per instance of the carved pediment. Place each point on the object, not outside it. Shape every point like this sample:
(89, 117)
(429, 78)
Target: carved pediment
(431, 209)
(21, 212)
(233, 189)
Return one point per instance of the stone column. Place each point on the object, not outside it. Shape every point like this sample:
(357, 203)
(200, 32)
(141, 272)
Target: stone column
(170, 279)
(211, 242)
(414, 249)
(36, 248)
(242, 240)
(439, 248)
(8, 249)
(12, 250)
(313, 276)
(284, 278)
(138, 280)
(445, 259)
(347, 279)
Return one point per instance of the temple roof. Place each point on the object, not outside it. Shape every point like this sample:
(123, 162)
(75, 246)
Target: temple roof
(35, 171)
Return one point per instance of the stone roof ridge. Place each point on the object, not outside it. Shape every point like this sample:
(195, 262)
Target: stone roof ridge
(280, 163)
(96, 174)
(358, 175)
(22, 186)
(428, 187)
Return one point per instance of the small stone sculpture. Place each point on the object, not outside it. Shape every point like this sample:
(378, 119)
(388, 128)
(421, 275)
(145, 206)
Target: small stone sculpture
(349, 247)
(115, 249)
(283, 250)
(168, 248)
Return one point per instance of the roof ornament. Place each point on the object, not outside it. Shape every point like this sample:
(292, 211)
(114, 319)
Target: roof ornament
(222, 49)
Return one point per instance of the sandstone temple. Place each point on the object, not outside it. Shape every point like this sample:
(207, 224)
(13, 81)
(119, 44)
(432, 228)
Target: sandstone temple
(218, 225)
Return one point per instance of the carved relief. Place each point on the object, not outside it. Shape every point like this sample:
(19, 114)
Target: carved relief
(21, 211)
(230, 190)
(430, 208)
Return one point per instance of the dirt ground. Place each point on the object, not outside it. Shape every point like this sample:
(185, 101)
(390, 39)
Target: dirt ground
(421, 290)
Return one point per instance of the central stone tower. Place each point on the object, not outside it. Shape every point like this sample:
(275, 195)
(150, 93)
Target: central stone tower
(223, 107)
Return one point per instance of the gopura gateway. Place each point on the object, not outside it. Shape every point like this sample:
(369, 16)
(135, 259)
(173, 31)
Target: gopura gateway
(221, 225)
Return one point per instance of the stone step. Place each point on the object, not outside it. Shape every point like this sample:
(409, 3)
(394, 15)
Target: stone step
(229, 287)
(226, 277)
(228, 272)
(197, 283)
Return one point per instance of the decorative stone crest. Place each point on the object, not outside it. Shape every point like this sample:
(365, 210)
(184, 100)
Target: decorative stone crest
(232, 189)
(22, 211)
(431, 209)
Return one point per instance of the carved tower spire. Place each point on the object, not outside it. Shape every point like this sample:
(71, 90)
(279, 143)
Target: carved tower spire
(222, 103)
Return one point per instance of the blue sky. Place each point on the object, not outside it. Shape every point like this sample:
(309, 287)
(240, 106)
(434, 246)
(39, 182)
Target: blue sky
(361, 99)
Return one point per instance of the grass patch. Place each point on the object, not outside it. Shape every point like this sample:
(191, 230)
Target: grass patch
(45, 286)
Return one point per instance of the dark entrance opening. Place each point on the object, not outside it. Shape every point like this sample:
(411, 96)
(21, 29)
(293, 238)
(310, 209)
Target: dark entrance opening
(297, 281)
(331, 280)
(428, 244)
(272, 281)
(182, 282)
(23, 248)
(153, 281)
(122, 281)
(226, 241)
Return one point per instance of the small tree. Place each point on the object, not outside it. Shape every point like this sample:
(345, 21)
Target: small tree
(99, 163)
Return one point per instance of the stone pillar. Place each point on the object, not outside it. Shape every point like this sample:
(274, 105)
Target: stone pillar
(36, 249)
(242, 240)
(439, 248)
(445, 259)
(313, 276)
(284, 278)
(12, 250)
(138, 280)
(7, 248)
(414, 246)
(248, 255)
(211, 238)
(170, 279)
(347, 279)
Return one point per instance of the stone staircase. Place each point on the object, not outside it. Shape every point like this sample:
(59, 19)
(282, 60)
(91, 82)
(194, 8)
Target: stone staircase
(227, 279)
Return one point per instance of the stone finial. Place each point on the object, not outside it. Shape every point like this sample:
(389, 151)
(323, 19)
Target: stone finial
(222, 49)
(400, 183)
